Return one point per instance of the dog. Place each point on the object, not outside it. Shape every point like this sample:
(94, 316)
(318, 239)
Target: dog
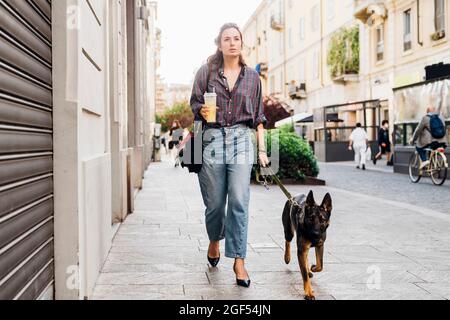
(310, 222)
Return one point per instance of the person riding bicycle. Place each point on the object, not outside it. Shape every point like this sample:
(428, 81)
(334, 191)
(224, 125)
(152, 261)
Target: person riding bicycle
(431, 133)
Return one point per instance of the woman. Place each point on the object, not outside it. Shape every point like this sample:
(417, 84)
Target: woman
(228, 154)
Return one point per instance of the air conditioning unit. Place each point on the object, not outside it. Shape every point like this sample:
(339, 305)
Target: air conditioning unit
(297, 92)
(276, 23)
(301, 92)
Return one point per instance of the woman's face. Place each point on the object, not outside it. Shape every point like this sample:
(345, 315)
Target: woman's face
(231, 43)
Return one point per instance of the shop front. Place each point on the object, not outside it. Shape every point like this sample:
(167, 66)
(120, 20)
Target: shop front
(410, 104)
(333, 126)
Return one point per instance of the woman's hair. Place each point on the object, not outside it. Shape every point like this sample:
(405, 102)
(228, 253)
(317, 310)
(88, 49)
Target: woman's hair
(216, 60)
(177, 126)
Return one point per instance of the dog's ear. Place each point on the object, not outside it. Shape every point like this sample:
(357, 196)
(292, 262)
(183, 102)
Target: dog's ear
(327, 203)
(310, 200)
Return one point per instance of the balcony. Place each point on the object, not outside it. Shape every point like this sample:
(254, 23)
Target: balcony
(438, 35)
(276, 23)
(370, 11)
(346, 78)
(343, 55)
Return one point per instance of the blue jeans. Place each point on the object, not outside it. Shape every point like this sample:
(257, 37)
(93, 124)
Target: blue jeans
(423, 154)
(228, 159)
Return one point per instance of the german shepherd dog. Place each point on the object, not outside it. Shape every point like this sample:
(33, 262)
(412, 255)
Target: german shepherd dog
(310, 221)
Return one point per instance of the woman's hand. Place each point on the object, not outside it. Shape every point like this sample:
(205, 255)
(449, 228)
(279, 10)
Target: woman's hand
(204, 111)
(263, 159)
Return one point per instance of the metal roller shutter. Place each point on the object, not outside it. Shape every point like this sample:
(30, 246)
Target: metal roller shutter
(26, 149)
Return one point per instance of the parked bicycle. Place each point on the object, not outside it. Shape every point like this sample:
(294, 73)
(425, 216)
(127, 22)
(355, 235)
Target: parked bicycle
(436, 169)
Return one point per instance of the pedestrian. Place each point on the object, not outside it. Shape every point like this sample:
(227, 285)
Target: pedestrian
(359, 143)
(176, 135)
(228, 154)
(384, 144)
(431, 133)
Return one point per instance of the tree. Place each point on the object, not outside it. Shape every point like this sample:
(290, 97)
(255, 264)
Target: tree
(274, 110)
(181, 112)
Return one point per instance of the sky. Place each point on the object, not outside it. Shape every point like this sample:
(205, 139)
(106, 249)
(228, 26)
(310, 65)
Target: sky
(188, 31)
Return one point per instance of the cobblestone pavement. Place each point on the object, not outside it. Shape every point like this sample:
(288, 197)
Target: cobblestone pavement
(383, 243)
(379, 181)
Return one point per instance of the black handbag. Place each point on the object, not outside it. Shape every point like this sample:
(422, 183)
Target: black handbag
(191, 154)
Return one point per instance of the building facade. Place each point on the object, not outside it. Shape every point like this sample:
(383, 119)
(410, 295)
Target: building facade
(397, 39)
(401, 40)
(78, 84)
(160, 95)
(177, 93)
(291, 39)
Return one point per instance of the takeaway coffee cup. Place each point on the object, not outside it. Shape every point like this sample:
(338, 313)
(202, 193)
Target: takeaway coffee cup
(211, 105)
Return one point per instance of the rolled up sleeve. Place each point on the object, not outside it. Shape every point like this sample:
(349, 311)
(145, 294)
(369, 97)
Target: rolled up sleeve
(419, 130)
(260, 118)
(198, 90)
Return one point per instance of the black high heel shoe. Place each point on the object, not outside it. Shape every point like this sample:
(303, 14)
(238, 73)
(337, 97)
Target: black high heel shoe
(213, 261)
(240, 282)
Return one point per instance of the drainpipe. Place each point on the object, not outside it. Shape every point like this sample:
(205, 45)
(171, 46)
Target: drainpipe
(321, 44)
(418, 24)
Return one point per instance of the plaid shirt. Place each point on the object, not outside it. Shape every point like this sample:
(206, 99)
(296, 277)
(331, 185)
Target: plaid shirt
(242, 105)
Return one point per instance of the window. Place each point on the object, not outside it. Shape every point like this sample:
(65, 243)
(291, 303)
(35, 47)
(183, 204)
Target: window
(407, 30)
(302, 28)
(439, 15)
(314, 18)
(380, 42)
(330, 9)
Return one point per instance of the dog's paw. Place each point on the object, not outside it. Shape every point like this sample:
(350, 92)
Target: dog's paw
(315, 269)
(287, 259)
(310, 297)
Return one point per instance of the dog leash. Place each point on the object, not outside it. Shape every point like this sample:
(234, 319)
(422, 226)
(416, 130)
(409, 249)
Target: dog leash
(269, 179)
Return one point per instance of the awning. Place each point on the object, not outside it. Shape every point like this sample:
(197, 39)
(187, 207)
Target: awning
(294, 119)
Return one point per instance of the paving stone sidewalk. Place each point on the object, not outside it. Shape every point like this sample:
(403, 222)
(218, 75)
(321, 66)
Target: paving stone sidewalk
(376, 248)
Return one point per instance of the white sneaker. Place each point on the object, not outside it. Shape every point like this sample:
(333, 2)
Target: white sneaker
(423, 164)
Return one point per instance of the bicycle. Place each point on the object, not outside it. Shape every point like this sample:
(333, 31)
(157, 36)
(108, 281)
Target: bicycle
(437, 169)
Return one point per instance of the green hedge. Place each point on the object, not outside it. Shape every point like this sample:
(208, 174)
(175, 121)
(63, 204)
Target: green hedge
(297, 160)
